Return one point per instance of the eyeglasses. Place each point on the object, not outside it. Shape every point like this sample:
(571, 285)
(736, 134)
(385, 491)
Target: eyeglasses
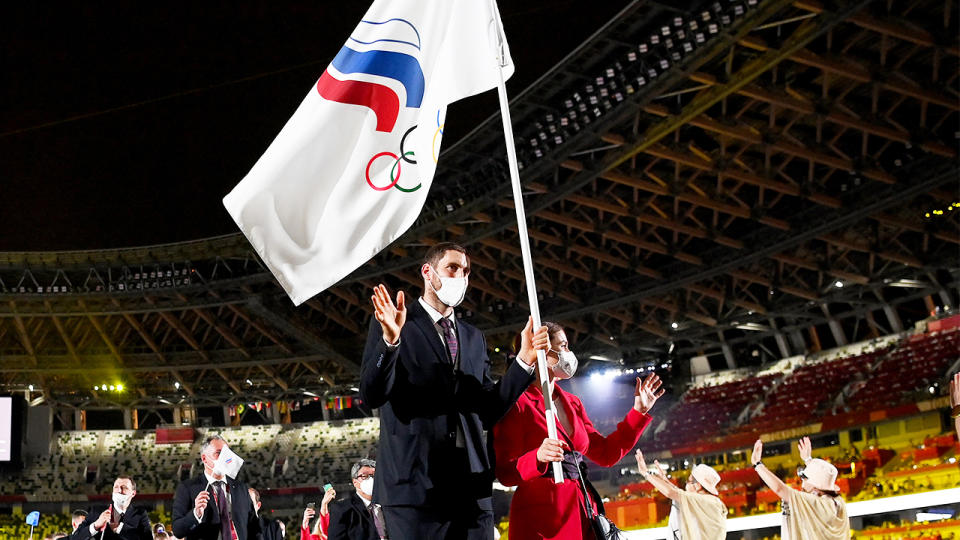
(364, 476)
(801, 473)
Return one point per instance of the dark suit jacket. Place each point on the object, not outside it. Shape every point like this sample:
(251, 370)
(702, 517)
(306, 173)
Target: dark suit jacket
(422, 403)
(269, 529)
(136, 526)
(185, 524)
(350, 520)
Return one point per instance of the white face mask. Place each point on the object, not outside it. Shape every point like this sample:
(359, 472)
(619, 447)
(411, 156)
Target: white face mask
(120, 501)
(366, 486)
(567, 364)
(452, 290)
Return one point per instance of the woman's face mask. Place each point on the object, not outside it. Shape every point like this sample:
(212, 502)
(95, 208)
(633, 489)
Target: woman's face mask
(566, 365)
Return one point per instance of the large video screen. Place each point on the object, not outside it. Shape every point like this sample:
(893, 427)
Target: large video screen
(6, 424)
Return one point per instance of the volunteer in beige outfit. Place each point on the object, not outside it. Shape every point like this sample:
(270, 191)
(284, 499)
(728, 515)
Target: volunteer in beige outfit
(817, 511)
(696, 512)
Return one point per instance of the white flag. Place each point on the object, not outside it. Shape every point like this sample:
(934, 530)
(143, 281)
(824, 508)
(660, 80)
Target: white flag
(228, 463)
(351, 169)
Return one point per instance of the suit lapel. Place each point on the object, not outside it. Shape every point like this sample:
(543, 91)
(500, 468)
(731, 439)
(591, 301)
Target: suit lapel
(424, 323)
(364, 513)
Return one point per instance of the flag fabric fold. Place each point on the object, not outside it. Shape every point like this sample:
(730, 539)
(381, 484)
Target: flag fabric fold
(350, 171)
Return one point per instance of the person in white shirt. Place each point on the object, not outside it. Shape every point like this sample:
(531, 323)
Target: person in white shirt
(696, 512)
(213, 506)
(816, 511)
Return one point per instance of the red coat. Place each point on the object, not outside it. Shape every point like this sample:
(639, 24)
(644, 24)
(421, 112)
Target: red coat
(541, 508)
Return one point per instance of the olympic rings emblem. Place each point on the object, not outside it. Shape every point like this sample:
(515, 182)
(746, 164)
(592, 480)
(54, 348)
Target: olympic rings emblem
(396, 169)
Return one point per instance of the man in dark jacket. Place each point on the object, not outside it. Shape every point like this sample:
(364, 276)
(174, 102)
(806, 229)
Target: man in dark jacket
(429, 374)
(213, 506)
(356, 516)
(270, 529)
(120, 520)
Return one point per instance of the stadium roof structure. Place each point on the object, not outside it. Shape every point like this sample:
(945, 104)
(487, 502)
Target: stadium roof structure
(733, 173)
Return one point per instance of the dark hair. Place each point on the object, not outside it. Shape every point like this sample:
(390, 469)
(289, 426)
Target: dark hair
(133, 483)
(552, 330)
(79, 513)
(209, 440)
(437, 251)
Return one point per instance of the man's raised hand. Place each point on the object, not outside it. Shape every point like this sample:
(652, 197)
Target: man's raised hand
(390, 316)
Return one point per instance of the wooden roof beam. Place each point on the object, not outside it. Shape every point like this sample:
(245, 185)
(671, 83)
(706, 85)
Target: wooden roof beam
(102, 332)
(229, 381)
(908, 260)
(850, 69)
(221, 329)
(180, 328)
(58, 324)
(260, 328)
(733, 210)
(187, 387)
(656, 221)
(892, 28)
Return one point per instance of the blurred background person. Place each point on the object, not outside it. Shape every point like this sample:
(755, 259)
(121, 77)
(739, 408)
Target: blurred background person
(696, 512)
(816, 510)
(76, 518)
(120, 520)
(319, 530)
(270, 529)
(357, 517)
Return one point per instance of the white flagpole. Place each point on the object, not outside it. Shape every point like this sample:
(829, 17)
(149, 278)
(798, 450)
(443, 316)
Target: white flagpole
(550, 411)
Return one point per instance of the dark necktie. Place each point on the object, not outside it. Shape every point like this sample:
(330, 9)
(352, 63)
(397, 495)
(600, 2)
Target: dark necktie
(224, 512)
(377, 515)
(450, 337)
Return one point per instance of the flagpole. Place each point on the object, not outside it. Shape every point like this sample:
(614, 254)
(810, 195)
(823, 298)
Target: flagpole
(550, 410)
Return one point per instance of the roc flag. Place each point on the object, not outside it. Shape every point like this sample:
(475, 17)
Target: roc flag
(351, 169)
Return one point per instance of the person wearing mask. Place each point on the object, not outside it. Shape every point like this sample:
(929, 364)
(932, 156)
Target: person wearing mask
(429, 374)
(816, 510)
(120, 520)
(322, 526)
(696, 512)
(524, 452)
(213, 506)
(357, 517)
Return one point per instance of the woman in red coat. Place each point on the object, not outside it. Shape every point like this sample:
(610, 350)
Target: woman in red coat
(542, 509)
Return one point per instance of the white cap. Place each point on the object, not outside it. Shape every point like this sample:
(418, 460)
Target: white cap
(821, 475)
(707, 477)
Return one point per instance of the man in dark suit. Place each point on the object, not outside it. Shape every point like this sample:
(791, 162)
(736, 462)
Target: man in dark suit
(120, 520)
(430, 378)
(357, 517)
(213, 506)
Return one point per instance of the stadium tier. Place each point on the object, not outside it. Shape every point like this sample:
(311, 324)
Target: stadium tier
(276, 456)
(881, 378)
